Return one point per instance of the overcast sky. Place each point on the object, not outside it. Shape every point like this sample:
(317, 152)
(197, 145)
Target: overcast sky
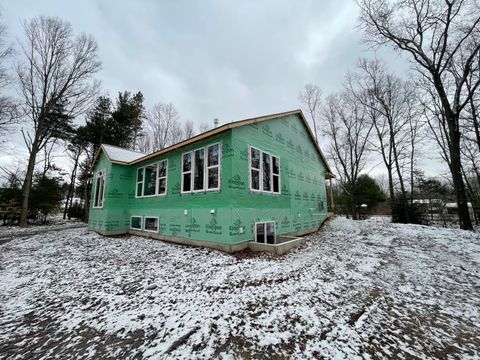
(225, 59)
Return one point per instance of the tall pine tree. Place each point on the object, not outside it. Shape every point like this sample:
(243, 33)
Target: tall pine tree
(127, 119)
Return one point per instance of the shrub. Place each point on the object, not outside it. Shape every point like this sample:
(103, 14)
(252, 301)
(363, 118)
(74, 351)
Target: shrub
(75, 211)
(415, 213)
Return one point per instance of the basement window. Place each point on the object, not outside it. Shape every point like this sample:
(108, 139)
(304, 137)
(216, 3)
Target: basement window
(201, 169)
(136, 222)
(99, 189)
(264, 171)
(152, 179)
(265, 232)
(151, 224)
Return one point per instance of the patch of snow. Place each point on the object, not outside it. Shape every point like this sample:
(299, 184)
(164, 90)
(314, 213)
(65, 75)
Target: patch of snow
(358, 289)
(116, 153)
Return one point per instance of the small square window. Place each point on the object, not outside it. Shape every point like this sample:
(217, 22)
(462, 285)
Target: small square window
(265, 232)
(151, 224)
(136, 223)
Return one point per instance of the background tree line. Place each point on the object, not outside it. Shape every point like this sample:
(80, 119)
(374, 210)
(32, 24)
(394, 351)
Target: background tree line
(377, 112)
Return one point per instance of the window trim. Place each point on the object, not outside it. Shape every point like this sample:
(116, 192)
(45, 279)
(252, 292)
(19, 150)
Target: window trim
(265, 232)
(158, 224)
(141, 222)
(250, 168)
(205, 169)
(156, 194)
(102, 173)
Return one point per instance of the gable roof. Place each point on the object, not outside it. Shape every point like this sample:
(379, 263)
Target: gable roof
(128, 157)
(117, 155)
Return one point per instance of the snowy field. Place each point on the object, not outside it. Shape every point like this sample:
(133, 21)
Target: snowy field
(357, 289)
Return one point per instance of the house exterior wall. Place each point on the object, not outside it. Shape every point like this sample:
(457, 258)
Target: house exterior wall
(198, 223)
(111, 218)
(236, 209)
(180, 215)
(302, 177)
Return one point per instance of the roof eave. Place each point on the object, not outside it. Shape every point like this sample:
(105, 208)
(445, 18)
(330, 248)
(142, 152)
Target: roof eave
(215, 131)
(235, 124)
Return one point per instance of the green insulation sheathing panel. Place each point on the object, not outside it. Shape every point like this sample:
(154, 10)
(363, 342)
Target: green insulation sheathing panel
(302, 202)
(226, 216)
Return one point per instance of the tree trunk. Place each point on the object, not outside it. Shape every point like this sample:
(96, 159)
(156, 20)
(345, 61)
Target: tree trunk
(476, 126)
(66, 203)
(390, 186)
(86, 210)
(457, 177)
(71, 188)
(399, 171)
(27, 185)
(452, 119)
(412, 167)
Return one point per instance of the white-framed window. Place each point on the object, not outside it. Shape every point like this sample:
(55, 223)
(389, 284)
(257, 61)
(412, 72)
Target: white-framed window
(264, 171)
(99, 194)
(139, 182)
(149, 180)
(275, 175)
(150, 223)
(201, 169)
(136, 222)
(265, 232)
(255, 166)
(187, 172)
(162, 181)
(152, 179)
(213, 167)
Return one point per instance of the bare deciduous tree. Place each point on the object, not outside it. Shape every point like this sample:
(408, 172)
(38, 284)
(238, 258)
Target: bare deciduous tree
(162, 128)
(348, 129)
(390, 104)
(442, 39)
(188, 129)
(77, 147)
(311, 97)
(204, 127)
(9, 111)
(55, 80)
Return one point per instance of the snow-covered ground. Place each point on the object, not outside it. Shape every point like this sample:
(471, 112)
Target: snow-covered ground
(357, 289)
(8, 233)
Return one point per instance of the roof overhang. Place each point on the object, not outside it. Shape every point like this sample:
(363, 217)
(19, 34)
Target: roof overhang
(236, 124)
(221, 129)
